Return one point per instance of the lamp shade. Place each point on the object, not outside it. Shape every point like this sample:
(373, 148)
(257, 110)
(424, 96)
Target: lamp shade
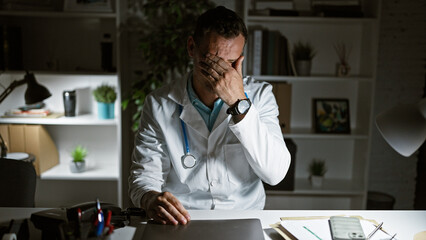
(404, 127)
(35, 92)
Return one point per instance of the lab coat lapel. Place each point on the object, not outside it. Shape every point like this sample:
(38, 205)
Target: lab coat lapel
(193, 120)
(190, 116)
(222, 118)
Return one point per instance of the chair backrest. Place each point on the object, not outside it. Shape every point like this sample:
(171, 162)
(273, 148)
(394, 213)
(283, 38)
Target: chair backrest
(17, 183)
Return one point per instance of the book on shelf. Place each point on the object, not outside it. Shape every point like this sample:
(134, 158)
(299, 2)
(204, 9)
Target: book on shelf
(28, 113)
(273, 12)
(274, 4)
(337, 8)
(269, 53)
(335, 3)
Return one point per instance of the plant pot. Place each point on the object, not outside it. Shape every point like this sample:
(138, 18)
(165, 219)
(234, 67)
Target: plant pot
(78, 167)
(316, 181)
(303, 67)
(105, 110)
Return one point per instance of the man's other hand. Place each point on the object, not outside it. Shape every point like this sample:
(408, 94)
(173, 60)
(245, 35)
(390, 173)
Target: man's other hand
(165, 208)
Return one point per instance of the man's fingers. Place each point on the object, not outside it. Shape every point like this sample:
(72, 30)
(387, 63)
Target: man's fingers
(181, 209)
(173, 214)
(217, 61)
(162, 216)
(212, 68)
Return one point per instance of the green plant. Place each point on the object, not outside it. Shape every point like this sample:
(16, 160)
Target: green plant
(166, 25)
(79, 154)
(303, 51)
(105, 94)
(317, 167)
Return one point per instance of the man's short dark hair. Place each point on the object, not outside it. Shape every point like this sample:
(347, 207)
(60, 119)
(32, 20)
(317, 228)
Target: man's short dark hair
(221, 20)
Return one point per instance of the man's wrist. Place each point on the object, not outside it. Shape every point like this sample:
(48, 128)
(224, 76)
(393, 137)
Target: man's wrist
(240, 107)
(146, 198)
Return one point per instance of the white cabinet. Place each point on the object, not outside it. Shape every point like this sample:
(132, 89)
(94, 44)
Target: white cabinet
(346, 155)
(63, 51)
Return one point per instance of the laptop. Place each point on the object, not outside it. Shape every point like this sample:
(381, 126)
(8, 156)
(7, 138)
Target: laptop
(229, 229)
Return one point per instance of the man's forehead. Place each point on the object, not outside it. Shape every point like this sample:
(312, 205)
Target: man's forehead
(231, 48)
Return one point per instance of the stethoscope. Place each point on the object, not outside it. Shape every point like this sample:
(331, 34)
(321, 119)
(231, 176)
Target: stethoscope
(188, 160)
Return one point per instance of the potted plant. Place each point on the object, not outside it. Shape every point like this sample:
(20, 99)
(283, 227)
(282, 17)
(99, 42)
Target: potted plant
(317, 170)
(303, 53)
(78, 163)
(105, 95)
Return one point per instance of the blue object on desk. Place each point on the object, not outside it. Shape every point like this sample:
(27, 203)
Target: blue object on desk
(100, 222)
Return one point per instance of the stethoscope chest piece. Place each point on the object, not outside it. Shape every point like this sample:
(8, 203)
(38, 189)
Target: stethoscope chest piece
(188, 161)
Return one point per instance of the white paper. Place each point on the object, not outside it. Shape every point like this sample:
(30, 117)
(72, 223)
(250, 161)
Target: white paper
(319, 229)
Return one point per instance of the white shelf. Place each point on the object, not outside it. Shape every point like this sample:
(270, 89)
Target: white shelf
(310, 20)
(307, 133)
(322, 78)
(56, 14)
(99, 172)
(335, 187)
(86, 119)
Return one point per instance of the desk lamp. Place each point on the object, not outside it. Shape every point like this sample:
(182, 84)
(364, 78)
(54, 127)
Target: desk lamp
(404, 127)
(35, 92)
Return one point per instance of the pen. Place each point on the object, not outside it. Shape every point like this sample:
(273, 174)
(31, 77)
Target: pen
(100, 219)
(375, 230)
(312, 232)
(393, 236)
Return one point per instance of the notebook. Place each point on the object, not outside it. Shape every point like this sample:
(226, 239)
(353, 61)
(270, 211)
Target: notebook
(247, 229)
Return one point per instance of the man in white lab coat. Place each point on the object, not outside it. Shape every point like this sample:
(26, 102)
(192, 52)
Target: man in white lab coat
(208, 140)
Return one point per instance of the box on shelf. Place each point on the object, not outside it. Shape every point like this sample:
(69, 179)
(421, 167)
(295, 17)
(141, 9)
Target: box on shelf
(282, 92)
(32, 139)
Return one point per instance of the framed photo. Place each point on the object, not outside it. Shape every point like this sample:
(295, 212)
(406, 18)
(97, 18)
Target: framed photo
(88, 6)
(331, 115)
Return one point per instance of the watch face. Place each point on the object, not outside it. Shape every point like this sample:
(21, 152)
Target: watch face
(243, 106)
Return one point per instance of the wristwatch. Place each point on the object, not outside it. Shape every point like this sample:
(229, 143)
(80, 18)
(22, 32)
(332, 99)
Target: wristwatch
(240, 107)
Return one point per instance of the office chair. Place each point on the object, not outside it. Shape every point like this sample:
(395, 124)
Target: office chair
(17, 183)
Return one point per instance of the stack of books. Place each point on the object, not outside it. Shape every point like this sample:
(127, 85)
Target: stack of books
(337, 8)
(269, 54)
(28, 113)
(273, 8)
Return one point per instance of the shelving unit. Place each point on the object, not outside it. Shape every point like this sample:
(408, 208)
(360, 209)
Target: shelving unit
(63, 51)
(58, 41)
(346, 155)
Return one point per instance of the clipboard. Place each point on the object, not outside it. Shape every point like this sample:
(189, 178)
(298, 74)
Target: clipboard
(287, 235)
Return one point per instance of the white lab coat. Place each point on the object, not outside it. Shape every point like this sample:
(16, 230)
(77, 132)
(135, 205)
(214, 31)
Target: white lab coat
(232, 159)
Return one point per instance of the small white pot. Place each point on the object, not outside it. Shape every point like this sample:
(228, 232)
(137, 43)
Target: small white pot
(78, 167)
(303, 67)
(316, 181)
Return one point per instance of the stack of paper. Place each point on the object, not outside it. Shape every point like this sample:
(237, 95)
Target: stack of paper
(315, 228)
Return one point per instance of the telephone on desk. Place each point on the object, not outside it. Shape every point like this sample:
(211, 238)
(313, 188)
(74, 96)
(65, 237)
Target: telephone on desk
(82, 221)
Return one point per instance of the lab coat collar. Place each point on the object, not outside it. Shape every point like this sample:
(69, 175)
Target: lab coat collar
(190, 116)
(178, 91)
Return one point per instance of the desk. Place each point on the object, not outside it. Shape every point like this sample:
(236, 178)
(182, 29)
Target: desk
(405, 223)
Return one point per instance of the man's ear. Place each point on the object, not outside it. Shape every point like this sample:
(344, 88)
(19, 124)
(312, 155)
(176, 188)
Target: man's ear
(190, 46)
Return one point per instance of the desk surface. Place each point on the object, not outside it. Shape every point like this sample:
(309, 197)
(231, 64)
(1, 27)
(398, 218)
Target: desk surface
(405, 223)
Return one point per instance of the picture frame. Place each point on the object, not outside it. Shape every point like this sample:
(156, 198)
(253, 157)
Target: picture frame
(331, 115)
(103, 6)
